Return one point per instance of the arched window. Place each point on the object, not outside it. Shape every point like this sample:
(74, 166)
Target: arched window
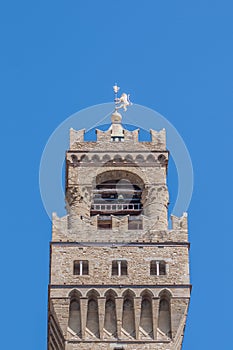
(110, 320)
(128, 319)
(74, 322)
(93, 316)
(165, 316)
(146, 319)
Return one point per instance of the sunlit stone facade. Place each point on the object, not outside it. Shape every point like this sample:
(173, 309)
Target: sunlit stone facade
(119, 278)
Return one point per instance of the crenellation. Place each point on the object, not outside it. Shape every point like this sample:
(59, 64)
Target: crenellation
(103, 136)
(159, 138)
(180, 223)
(76, 136)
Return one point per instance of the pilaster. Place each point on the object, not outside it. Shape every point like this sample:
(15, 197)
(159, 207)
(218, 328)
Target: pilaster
(83, 307)
(155, 315)
(137, 314)
(101, 307)
(119, 310)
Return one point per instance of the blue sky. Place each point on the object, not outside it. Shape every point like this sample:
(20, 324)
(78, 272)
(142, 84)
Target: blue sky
(58, 57)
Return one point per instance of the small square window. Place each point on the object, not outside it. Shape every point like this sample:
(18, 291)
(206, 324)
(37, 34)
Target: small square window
(158, 268)
(81, 267)
(119, 268)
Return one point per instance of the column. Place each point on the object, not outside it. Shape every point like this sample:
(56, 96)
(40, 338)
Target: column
(137, 314)
(101, 309)
(119, 310)
(80, 268)
(173, 314)
(155, 315)
(83, 308)
(119, 267)
(157, 268)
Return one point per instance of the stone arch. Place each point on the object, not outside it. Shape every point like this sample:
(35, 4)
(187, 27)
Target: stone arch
(147, 292)
(146, 317)
(162, 159)
(165, 292)
(117, 187)
(128, 316)
(129, 292)
(106, 158)
(117, 158)
(93, 313)
(110, 292)
(74, 322)
(95, 158)
(150, 158)
(120, 174)
(75, 293)
(74, 158)
(93, 292)
(84, 158)
(110, 317)
(139, 158)
(129, 158)
(164, 320)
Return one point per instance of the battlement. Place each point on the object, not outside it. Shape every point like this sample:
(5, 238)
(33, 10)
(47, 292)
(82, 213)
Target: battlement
(122, 231)
(157, 139)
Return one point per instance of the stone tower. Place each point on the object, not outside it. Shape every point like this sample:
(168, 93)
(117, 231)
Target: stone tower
(119, 278)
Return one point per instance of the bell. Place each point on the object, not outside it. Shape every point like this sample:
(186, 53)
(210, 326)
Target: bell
(120, 197)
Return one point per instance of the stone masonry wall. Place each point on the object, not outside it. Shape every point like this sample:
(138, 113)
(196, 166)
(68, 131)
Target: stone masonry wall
(100, 264)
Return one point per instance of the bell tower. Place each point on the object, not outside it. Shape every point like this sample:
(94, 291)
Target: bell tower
(119, 278)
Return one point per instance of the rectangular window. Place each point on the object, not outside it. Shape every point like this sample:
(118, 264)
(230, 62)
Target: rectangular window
(81, 267)
(119, 268)
(157, 268)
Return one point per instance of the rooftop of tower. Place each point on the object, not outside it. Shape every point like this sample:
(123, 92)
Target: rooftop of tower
(117, 132)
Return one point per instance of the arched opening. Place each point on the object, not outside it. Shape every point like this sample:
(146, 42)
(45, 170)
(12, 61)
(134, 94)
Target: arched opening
(164, 323)
(93, 316)
(74, 322)
(128, 318)
(117, 193)
(146, 319)
(110, 319)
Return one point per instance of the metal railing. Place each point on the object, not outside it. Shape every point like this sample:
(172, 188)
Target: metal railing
(116, 207)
